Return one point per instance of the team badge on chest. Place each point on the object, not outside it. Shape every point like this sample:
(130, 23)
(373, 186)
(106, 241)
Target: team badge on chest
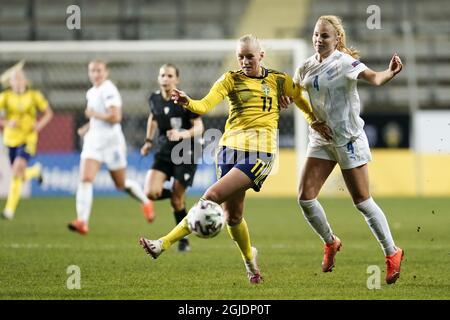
(166, 110)
(265, 89)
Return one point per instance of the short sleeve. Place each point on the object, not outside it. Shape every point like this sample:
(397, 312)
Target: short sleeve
(192, 115)
(40, 101)
(111, 97)
(299, 74)
(353, 67)
(151, 105)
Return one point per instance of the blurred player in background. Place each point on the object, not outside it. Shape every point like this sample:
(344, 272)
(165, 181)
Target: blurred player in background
(330, 78)
(104, 142)
(248, 146)
(20, 107)
(175, 123)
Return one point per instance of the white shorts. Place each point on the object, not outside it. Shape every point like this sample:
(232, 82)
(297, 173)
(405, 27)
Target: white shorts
(352, 155)
(111, 151)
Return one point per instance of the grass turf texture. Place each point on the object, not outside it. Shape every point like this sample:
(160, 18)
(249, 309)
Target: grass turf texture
(36, 248)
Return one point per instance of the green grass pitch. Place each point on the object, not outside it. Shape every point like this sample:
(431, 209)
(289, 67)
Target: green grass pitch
(36, 249)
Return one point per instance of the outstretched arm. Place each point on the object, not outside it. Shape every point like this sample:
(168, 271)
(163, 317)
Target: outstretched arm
(218, 92)
(381, 77)
(202, 106)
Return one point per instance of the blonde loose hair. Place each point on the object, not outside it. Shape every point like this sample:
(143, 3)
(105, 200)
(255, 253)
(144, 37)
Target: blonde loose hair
(336, 22)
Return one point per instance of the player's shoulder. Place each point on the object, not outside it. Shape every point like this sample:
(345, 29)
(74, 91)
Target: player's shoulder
(155, 95)
(275, 72)
(34, 92)
(308, 63)
(231, 74)
(347, 59)
(108, 85)
(6, 92)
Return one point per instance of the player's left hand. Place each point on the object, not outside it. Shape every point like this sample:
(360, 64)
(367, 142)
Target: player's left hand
(395, 65)
(322, 128)
(284, 102)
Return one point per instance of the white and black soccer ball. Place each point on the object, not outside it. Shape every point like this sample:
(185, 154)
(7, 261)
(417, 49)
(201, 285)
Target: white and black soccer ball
(206, 219)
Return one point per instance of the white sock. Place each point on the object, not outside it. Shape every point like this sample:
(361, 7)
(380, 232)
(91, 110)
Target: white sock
(377, 222)
(134, 190)
(84, 200)
(315, 215)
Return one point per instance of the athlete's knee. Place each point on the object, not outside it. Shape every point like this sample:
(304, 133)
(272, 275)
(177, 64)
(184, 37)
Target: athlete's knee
(306, 194)
(357, 199)
(233, 218)
(153, 194)
(87, 179)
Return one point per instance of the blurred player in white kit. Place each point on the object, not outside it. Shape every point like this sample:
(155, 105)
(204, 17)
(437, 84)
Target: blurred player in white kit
(104, 142)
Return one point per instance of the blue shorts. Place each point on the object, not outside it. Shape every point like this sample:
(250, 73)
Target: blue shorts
(256, 165)
(19, 151)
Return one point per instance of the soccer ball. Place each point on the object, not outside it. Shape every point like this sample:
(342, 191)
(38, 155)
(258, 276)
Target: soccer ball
(206, 219)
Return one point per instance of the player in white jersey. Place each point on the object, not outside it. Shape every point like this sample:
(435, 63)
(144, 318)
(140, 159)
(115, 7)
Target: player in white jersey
(330, 77)
(104, 142)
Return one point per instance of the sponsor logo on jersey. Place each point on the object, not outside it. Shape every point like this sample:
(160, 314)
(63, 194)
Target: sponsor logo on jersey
(355, 63)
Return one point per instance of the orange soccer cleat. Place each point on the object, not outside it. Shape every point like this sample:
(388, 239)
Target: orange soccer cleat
(330, 251)
(78, 226)
(393, 264)
(149, 212)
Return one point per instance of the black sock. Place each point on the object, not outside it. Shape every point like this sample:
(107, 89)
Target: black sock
(179, 215)
(165, 194)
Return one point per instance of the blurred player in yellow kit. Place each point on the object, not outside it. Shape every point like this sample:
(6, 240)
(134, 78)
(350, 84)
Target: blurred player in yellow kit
(19, 110)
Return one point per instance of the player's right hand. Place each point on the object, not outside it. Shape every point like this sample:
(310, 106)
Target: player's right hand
(179, 97)
(145, 149)
(284, 102)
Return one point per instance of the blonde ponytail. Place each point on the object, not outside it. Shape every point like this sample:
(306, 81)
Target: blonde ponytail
(336, 22)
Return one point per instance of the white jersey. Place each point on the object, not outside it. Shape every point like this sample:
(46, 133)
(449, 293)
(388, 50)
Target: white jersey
(332, 88)
(104, 141)
(100, 99)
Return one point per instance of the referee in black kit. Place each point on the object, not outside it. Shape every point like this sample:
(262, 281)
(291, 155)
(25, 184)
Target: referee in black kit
(175, 124)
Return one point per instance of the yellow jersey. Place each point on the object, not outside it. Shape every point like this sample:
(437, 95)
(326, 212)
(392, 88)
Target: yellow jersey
(22, 108)
(253, 108)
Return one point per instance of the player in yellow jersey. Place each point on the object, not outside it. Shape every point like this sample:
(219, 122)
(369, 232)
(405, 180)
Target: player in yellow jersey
(248, 146)
(19, 110)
